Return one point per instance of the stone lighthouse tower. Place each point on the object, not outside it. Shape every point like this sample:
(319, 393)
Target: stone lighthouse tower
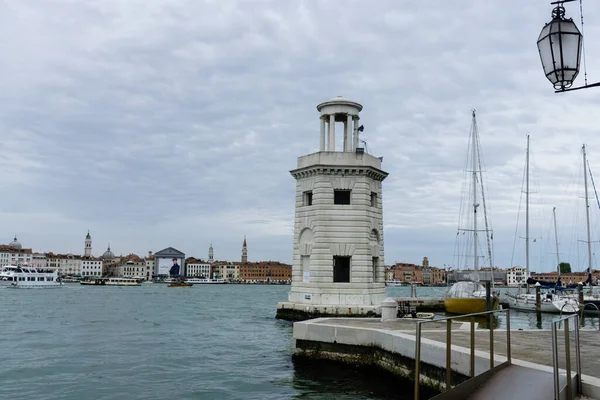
(338, 266)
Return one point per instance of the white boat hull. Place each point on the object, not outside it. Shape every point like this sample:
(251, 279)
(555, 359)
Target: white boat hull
(30, 285)
(526, 302)
(199, 281)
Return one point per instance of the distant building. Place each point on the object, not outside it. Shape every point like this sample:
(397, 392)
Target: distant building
(91, 267)
(226, 270)
(484, 274)
(14, 253)
(131, 266)
(163, 261)
(197, 268)
(38, 260)
(516, 276)
(149, 265)
(67, 264)
(266, 272)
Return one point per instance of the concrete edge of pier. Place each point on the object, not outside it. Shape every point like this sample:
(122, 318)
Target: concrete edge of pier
(300, 312)
(339, 339)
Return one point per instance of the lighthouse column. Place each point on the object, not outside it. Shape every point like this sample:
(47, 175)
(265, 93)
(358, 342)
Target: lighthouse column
(347, 135)
(331, 141)
(322, 146)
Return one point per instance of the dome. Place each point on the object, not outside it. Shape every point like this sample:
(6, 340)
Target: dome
(15, 243)
(108, 255)
(340, 101)
(88, 235)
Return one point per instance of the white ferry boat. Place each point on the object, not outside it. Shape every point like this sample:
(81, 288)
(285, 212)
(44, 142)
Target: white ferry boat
(123, 282)
(26, 277)
(394, 283)
(205, 281)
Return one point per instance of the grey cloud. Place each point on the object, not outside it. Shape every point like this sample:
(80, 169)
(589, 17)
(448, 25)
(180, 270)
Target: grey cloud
(176, 123)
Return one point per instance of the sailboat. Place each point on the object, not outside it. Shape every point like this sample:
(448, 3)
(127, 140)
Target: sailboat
(468, 296)
(550, 302)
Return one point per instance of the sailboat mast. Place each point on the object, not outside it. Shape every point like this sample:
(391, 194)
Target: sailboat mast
(475, 205)
(587, 216)
(527, 209)
(556, 240)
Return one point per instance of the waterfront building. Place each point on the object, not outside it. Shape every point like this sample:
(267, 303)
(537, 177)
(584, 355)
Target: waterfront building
(418, 274)
(226, 270)
(197, 268)
(408, 273)
(163, 261)
(516, 276)
(14, 253)
(38, 260)
(67, 264)
(131, 266)
(566, 278)
(389, 273)
(338, 257)
(91, 267)
(265, 272)
(484, 274)
(149, 265)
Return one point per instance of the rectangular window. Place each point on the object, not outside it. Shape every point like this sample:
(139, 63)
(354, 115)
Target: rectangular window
(374, 264)
(341, 269)
(341, 196)
(373, 199)
(307, 198)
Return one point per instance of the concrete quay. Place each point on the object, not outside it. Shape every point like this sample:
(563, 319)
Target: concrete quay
(390, 345)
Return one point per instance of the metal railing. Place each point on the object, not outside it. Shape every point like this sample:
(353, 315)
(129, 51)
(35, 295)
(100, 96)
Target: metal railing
(555, 327)
(449, 320)
(585, 308)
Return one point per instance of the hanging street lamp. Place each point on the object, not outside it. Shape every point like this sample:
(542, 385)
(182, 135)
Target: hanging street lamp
(560, 47)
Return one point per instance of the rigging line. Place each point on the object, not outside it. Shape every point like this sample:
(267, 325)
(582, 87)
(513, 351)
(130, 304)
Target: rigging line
(518, 214)
(485, 217)
(593, 184)
(583, 42)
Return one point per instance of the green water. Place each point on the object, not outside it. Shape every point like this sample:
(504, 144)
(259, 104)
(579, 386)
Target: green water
(155, 342)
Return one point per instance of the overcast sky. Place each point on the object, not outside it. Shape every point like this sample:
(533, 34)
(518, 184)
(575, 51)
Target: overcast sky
(175, 123)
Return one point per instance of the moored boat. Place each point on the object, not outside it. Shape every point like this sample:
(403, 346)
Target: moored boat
(206, 281)
(180, 284)
(94, 282)
(467, 295)
(26, 277)
(123, 282)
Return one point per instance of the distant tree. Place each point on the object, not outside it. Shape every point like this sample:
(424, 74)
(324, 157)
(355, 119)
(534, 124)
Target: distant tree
(565, 268)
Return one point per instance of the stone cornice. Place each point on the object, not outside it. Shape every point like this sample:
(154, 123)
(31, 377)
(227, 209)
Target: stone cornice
(339, 170)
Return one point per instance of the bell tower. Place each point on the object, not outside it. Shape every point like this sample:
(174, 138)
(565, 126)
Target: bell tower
(338, 266)
(244, 251)
(211, 254)
(88, 245)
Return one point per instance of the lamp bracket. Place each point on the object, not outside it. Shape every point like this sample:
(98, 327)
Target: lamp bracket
(577, 88)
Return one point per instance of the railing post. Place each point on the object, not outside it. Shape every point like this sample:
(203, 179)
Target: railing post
(555, 360)
(491, 340)
(577, 355)
(508, 348)
(472, 347)
(417, 359)
(568, 356)
(448, 352)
